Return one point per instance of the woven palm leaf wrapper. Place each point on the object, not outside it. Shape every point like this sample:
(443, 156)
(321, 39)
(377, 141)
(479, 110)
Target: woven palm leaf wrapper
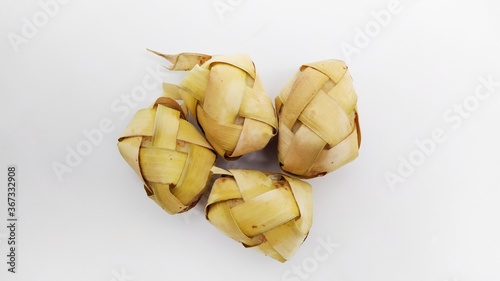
(318, 120)
(225, 95)
(168, 153)
(271, 212)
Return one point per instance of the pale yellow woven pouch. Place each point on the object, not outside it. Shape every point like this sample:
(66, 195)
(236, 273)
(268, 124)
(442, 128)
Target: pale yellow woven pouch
(318, 120)
(225, 95)
(169, 155)
(271, 212)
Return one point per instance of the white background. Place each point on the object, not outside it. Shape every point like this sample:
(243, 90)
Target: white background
(96, 223)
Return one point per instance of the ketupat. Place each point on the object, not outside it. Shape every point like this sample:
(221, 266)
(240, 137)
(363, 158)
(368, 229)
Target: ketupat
(318, 120)
(225, 95)
(271, 212)
(169, 155)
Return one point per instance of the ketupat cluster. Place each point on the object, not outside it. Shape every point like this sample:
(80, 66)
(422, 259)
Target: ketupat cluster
(318, 132)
